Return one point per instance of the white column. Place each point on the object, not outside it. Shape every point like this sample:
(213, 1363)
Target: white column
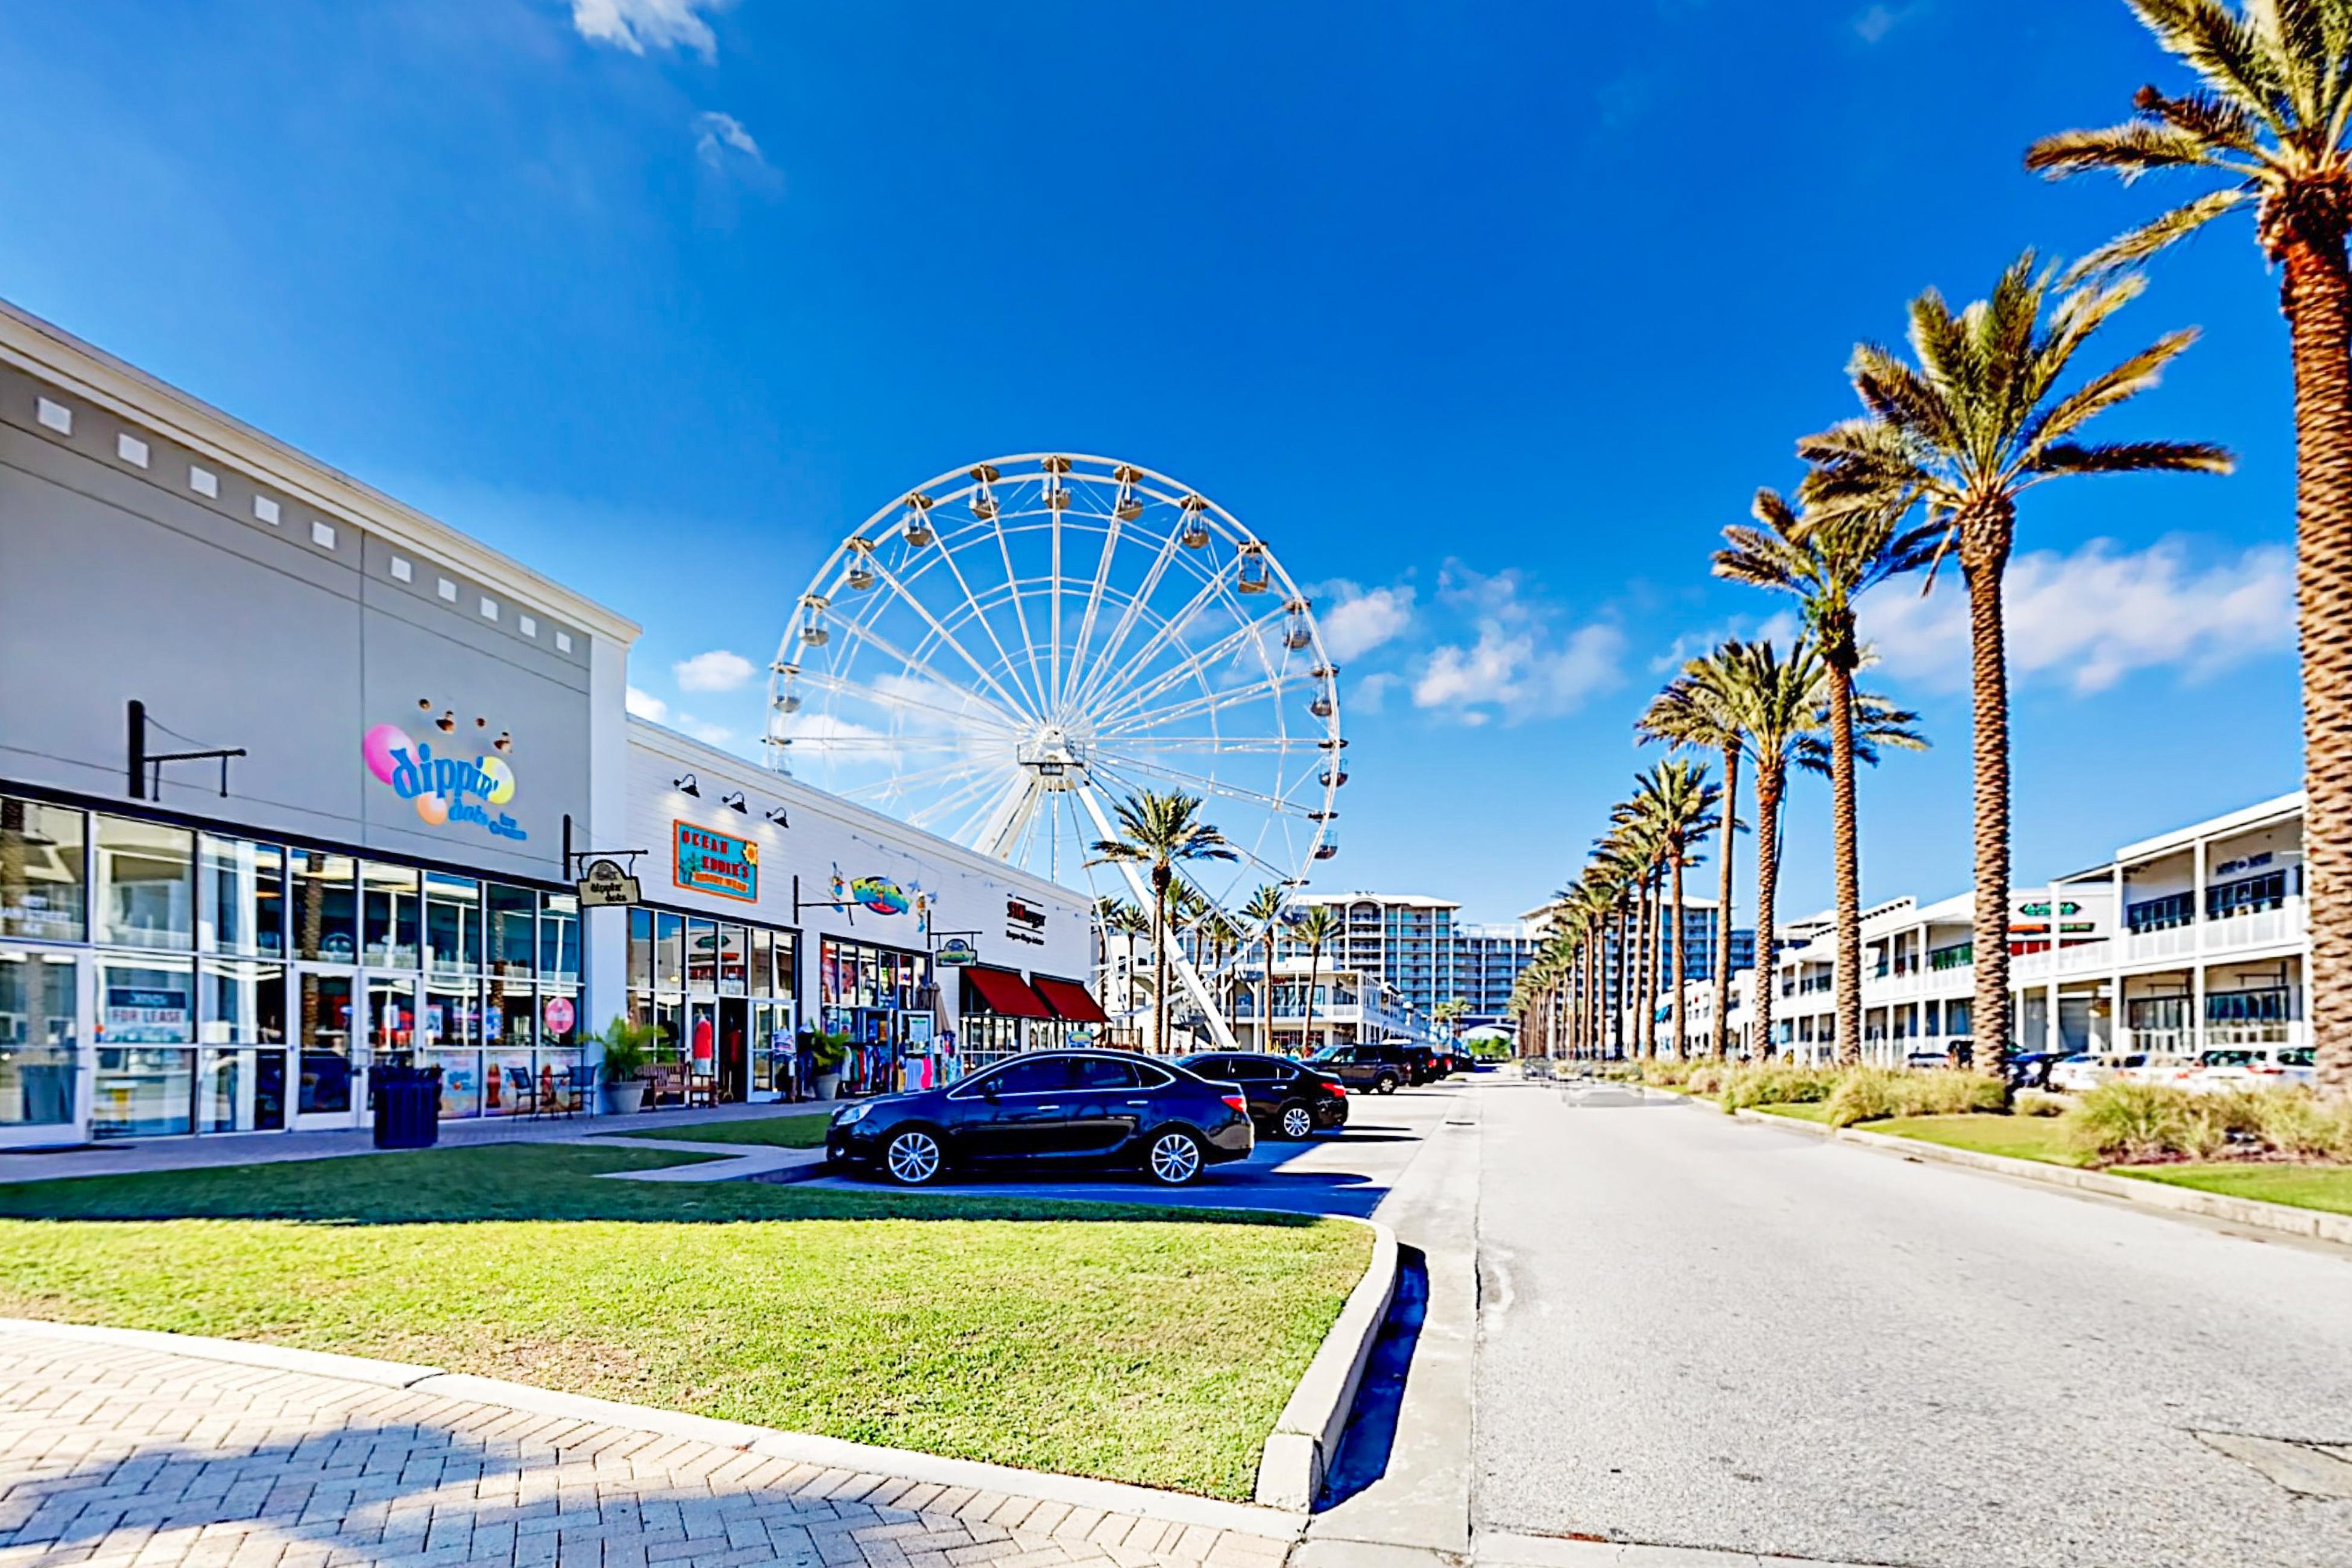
(2197, 953)
(2119, 950)
(604, 933)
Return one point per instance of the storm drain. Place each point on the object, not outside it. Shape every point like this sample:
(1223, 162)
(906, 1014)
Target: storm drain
(2307, 1469)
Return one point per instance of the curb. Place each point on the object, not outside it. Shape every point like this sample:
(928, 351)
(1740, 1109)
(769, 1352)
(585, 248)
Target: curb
(2311, 1224)
(831, 1453)
(1297, 1452)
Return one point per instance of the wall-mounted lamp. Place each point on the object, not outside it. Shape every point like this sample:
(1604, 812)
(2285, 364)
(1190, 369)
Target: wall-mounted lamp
(776, 815)
(736, 800)
(688, 784)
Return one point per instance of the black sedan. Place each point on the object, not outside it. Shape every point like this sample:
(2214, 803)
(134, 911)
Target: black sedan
(1285, 1100)
(1049, 1109)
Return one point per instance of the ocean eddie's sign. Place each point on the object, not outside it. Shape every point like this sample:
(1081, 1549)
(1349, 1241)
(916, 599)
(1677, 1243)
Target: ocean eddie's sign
(708, 861)
(446, 787)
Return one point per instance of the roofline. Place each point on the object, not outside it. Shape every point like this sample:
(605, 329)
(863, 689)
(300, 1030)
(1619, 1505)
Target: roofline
(2278, 806)
(49, 352)
(736, 769)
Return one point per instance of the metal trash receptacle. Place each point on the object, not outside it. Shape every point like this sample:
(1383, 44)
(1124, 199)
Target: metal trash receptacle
(407, 1104)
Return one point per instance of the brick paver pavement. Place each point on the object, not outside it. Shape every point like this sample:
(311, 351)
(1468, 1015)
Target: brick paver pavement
(119, 1456)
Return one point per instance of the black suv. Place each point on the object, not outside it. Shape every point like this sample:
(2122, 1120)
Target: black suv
(1381, 1068)
(1286, 1099)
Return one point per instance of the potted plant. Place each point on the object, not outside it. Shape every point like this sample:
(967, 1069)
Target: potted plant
(628, 1047)
(828, 1049)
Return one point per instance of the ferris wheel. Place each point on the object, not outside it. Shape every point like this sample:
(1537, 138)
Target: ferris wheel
(1014, 646)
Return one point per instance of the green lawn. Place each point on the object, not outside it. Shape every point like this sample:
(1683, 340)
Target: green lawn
(1811, 1113)
(2020, 1137)
(1111, 1341)
(793, 1130)
(2300, 1187)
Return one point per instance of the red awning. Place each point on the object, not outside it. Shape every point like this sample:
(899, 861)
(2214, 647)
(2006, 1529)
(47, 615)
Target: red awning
(1002, 992)
(1074, 1002)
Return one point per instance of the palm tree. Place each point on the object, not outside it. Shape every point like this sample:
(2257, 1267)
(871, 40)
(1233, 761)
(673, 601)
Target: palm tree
(1449, 1013)
(1634, 853)
(1964, 433)
(1699, 709)
(1316, 928)
(1676, 801)
(2270, 119)
(1260, 916)
(1827, 563)
(1162, 833)
(1780, 703)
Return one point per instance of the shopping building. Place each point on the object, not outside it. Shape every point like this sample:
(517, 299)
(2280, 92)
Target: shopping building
(1352, 1006)
(287, 775)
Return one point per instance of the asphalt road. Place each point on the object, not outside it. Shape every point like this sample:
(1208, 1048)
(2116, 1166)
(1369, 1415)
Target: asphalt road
(1699, 1332)
(1348, 1172)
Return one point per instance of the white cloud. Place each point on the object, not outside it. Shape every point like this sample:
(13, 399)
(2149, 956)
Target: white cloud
(1358, 621)
(2094, 617)
(646, 706)
(716, 671)
(717, 136)
(1874, 23)
(637, 25)
(1370, 695)
(704, 731)
(1519, 666)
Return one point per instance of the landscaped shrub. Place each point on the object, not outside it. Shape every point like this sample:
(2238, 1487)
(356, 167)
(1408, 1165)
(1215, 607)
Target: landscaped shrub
(1775, 1083)
(2292, 1121)
(1871, 1093)
(2122, 1121)
(2035, 1102)
(1706, 1077)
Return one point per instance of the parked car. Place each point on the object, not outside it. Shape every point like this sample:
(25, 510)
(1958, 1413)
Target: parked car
(2242, 1068)
(2081, 1073)
(2298, 1066)
(1381, 1068)
(1285, 1100)
(2031, 1068)
(1049, 1110)
(2154, 1066)
(1927, 1061)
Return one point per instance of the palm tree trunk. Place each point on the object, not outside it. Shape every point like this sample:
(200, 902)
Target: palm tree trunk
(1849, 874)
(1652, 916)
(1984, 559)
(1620, 1001)
(1307, 1035)
(1677, 966)
(1770, 777)
(1265, 997)
(1720, 1044)
(1159, 961)
(2316, 296)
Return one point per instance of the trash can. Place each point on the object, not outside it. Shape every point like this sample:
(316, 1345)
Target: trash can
(407, 1102)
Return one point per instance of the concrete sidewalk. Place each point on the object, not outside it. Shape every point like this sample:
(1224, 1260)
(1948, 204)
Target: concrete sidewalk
(123, 1449)
(141, 1156)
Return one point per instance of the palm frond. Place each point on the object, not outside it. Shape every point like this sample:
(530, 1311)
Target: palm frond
(2133, 457)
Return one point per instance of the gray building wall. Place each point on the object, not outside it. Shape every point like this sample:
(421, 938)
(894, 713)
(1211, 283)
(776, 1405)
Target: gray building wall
(241, 617)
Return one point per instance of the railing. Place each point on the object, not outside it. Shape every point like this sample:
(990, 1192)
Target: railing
(2084, 957)
(2286, 922)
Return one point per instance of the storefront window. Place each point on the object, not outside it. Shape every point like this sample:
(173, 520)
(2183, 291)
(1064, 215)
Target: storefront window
(701, 955)
(733, 961)
(669, 952)
(461, 1081)
(453, 923)
(146, 884)
(240, 1091)
(41, 1039)
(326, 907)
(146, 1003)
(641, 950)
(326, 1041)
(392, 1016)
(558, 937)
(559, 1020)
(244, 1004)
(392, 914)
(510, 1016)
(453, 1016)
(511, 918)
(40, 872)
(142, 1093)
(241, 898)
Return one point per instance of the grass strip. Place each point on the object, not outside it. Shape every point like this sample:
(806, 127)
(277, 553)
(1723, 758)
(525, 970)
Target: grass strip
(1129, 1343)
(2327, 1187)
(796, 1130)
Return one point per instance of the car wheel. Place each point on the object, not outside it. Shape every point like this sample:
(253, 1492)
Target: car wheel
(1386, 1083)
(1295, 1122)
(913, 1157)
(1174, 1159)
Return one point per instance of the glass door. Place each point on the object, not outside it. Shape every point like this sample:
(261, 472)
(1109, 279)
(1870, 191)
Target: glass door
(43, 1097)
(330, 1088)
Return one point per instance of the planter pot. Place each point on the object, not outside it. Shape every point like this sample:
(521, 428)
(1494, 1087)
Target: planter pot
(828, 1085)
(625, 1098)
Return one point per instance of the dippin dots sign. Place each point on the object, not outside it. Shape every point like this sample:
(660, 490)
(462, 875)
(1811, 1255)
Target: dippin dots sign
(444, 790)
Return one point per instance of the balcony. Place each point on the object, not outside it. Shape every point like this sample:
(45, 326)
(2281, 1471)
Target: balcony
(2083, 958)
(2279, 924)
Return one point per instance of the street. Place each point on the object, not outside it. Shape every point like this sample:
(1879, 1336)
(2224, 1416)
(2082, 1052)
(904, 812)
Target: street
(1700, 1333)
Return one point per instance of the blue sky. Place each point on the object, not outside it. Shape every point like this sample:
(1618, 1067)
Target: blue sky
(1488, 318)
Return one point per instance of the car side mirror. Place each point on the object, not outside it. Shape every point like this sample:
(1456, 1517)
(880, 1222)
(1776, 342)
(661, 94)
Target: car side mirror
(988, 1093)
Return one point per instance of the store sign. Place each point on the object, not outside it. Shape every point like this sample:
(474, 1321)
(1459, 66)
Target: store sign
(1025, 922)
(145, 1014)
(559, 1015)
(882, 895)
(443, 788)
(708, 861)
(955, 952)
(606, 885)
